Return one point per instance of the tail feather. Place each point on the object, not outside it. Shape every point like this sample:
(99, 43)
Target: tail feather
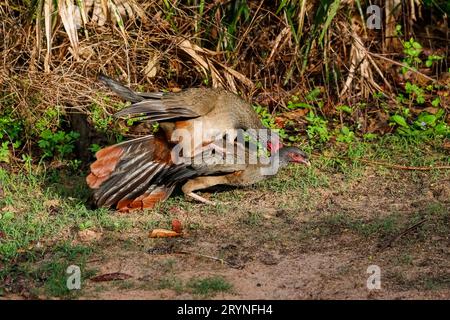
(101, 169)
(158, 110)
(121, 184)
(147, 200)
(151, 104)
(124, 172)
(121, 90)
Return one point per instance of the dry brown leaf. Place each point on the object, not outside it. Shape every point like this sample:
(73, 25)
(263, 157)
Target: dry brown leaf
(164, 233)
(51, 203)
(89, 235)
(151, 69)
(176, 226)
(111, 277)
(238, 75)
(67, 14)
(446, 145)
(192, 49)
(10, 208)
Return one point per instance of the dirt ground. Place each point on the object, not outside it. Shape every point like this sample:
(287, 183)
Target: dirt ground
(285, 242)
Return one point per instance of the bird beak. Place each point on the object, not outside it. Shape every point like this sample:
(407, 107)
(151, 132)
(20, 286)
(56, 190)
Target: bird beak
(306, 162)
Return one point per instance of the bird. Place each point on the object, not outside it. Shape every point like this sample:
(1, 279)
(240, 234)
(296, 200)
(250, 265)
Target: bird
(203, 113)
(139, 173)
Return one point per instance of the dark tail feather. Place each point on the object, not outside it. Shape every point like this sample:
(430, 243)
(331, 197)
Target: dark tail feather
(121, 90)
(125, 170)
(147, 200)
(157, 110)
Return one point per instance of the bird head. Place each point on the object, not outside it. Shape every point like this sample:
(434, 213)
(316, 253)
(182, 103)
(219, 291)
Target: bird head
(295, 155)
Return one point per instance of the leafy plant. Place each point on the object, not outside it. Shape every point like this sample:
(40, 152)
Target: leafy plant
(50, 119)
(412, 49)
(100, 119)
(425, 125)
(268, 121)
(317, 129)
(10, 135)
(58, 144)
(94, 148)
(345, 135)
(415, 93)
(4, 152)
(431, 59)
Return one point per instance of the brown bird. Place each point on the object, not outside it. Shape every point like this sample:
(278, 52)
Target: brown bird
(204, 113)
(140, 174)
(129, 175)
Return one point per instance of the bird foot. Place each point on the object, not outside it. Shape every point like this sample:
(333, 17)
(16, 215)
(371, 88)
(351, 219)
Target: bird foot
(200, 198)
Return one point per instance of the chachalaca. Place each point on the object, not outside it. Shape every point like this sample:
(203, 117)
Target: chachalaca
(207, 112)
(132, 170)
(137, 174)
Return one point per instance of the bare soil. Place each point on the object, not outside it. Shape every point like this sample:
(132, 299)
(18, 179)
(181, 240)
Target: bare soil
(279, 241)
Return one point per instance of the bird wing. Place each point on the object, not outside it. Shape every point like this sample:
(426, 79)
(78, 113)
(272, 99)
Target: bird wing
(160, 106)
(123, 174)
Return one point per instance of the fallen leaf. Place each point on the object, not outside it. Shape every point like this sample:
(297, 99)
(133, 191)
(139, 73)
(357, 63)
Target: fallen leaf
(163, 233)
(10, 208)
(51, 203)
(446, 145)
(53, 206)
(89, 235)
(111, 277)
(151, 69)
(431, 110)
(176, 226)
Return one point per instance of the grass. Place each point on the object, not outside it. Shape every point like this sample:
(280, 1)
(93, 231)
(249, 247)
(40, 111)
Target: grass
(46, 272)
(201, 287)
(209, 286)
(384, 228)
(171, 282)
(42, 211)
(35, 212)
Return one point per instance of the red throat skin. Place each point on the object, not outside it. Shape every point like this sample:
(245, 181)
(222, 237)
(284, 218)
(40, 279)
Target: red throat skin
(274, 147)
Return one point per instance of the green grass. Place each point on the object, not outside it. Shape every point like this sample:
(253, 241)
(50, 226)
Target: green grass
(209, 286)
(45, 272)
(35, 211)
(383, 228)
(200, 287)
(42, 211)
(171, 282)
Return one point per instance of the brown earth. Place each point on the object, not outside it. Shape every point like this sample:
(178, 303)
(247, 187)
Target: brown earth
(287, 241)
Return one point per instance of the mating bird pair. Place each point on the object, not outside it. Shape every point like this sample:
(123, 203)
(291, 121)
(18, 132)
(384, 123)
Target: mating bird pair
(139, 173)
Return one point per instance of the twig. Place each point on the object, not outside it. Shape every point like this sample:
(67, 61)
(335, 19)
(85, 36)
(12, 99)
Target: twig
(405, 66)
(401, 234)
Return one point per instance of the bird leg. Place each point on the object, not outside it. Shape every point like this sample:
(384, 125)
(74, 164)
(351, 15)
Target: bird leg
(202, 183)
(200, 198)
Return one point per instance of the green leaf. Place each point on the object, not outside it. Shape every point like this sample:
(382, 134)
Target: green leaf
(8, 215)
(398, 119)
(425, 118)
(344, 108)
(416, 45)
(436, 102)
